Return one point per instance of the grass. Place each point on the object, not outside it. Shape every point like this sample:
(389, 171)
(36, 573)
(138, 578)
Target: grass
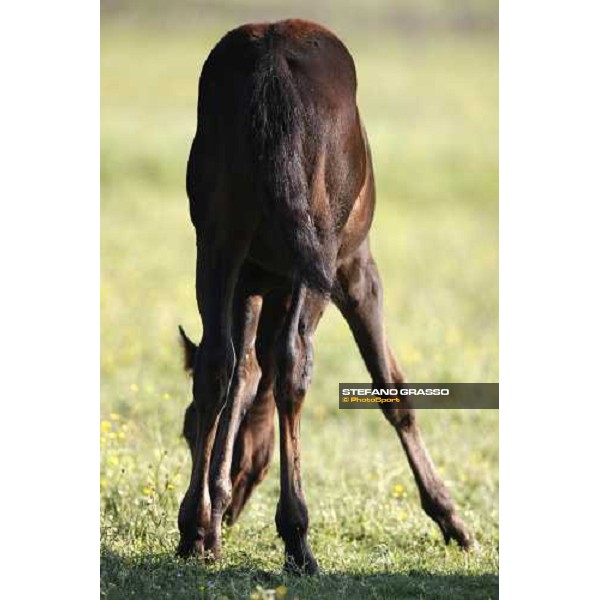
(430, 105)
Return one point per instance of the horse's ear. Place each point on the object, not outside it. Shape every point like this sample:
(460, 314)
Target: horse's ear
(189, 350)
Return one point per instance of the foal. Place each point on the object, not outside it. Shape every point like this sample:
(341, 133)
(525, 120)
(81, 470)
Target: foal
(281, 194)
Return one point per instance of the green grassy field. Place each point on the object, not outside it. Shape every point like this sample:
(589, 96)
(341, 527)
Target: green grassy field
(430, 105)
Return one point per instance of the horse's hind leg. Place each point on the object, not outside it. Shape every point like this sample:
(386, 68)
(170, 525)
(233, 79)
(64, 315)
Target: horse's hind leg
(293, 378)
(358, 295)
(216, 278)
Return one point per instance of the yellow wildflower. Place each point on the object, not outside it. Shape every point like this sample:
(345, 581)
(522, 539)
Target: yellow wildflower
(280, 591)
(114, 417)
(134, 388)
(105, 426)
(398, 490)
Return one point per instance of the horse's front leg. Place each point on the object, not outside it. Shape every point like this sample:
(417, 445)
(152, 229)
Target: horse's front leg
(242, 393)
(217, 271)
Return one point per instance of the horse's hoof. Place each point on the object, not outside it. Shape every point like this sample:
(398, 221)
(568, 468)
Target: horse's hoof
(191, 546)
(187, 547)
(453, 528)
(307, 565)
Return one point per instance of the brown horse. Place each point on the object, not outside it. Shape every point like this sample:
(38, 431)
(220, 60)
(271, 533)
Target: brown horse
(281, 193)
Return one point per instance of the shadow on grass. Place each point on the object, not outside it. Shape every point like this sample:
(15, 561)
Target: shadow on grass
(164, 576)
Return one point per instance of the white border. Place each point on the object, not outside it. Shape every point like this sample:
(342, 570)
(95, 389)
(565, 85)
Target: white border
(549, 297)
(49, 247)
(549, 195)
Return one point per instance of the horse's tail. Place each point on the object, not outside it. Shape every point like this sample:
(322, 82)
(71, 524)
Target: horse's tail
(277, 129)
